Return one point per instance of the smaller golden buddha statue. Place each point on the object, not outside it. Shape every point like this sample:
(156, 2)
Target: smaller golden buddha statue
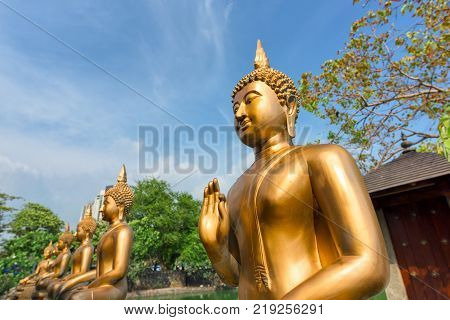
(108, 281)
(27, 285)
(82, 257)
(59, 265)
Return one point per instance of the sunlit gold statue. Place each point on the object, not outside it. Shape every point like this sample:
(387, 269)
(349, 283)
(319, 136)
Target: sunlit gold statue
(298, 224)
(58, 266)
(109, 279)
(82, 257)
(26, 285)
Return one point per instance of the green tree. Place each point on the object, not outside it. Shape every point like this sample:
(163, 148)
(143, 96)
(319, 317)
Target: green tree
(193, 256)
(390, 78)
(35, 217)
(4, 198)
(33, 227)
(163, 223)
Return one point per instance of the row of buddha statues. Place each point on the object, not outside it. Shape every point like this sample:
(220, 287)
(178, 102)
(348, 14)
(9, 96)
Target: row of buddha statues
(297, 224)
(54, 279)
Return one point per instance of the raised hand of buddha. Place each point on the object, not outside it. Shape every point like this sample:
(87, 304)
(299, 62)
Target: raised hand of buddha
(214, 222)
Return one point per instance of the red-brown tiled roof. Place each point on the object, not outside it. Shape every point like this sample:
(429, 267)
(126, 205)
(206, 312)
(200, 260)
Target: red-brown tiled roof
(407, 168)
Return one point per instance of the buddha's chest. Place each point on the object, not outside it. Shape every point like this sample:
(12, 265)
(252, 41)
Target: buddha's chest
(106, 247)
(275, 195)
(77, 256)
(59, 262)
(44, 266)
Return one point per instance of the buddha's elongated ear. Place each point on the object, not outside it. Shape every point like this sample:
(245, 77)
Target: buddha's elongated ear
(292, 104)
(121, 208)
(291, 114)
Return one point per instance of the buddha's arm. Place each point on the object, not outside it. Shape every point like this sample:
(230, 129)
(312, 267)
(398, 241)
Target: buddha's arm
(122, 243)
(63, 266)
(225, 263)
(79, 278)
(362, 268)
(46, 275)
(31, 276)
(217, 235)
(86, 258)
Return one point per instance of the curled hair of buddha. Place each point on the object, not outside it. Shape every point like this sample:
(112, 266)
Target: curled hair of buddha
(279, 82)
(122, 192)
(87, 223)
(66, 236)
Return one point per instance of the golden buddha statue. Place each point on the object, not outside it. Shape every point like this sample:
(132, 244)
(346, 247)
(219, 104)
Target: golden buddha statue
(109, 279)
(58, 266)
(82, 257)
(299, 223)
(27, 285)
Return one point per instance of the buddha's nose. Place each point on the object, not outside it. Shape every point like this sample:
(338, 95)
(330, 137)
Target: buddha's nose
(240, 112)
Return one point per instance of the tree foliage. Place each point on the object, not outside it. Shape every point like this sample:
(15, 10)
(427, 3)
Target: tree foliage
(164, 223)
(35, 217)
(391, 77)
(4, 198)
(33, 227)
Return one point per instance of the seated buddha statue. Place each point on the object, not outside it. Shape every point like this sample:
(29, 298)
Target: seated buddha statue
(82, 257)
(27, 285)
(109, 280)
(59, 265)
(299, 223)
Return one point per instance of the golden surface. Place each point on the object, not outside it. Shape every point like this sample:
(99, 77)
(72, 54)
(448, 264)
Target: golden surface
(299, 223)
(58, 267)
(108, 280)
(27, 285)
(82, 257)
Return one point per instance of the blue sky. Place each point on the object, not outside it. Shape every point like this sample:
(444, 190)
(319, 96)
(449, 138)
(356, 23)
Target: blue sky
(67, 126)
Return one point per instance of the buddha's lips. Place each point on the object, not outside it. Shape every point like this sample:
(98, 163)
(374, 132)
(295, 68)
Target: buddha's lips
(244, 124)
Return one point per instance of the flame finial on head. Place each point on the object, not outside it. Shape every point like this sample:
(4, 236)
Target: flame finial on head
(122, 175)
(87, 211)
(261, 60)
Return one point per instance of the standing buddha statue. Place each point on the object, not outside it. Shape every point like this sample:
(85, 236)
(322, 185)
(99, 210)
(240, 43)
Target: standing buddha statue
(299, 223)
(82, 257)
(109, 280)
(59, 265)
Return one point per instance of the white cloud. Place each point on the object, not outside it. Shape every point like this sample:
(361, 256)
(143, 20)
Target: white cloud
(67, 127)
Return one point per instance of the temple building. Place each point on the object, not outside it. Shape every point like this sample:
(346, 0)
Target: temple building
(411, 196)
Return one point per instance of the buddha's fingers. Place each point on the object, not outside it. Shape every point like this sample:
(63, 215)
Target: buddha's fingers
(216, 194)
(223, 213)
(211, 202)
(205, 202)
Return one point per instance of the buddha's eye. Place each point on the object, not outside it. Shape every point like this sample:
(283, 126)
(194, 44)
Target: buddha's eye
(251, 96)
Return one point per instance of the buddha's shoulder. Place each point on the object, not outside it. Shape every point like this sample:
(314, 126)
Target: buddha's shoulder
(125, 228)
(86, 248)
(324, 153)
(122, 228)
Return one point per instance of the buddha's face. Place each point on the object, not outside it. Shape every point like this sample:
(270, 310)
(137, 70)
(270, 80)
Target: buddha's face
(109, 209)
(47, 253)
(81, 234)
(258, 114)
(60, 245)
